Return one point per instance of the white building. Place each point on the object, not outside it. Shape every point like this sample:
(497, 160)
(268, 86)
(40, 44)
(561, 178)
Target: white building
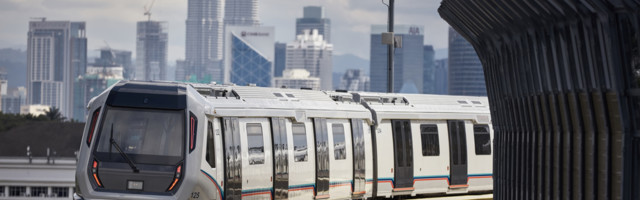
(35, 110)
(249, 55)
(297, 78)
(311, 52)
(40, 179)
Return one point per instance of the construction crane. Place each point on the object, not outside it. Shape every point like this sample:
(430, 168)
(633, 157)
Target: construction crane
(147, 10)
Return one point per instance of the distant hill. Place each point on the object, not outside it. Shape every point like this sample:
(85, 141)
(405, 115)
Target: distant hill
(14, 62)
(349, 61)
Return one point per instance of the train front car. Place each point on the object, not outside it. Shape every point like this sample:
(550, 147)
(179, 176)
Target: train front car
(136, 143)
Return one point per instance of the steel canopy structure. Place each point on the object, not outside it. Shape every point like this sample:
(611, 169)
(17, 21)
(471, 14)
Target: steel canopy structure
(563, 84)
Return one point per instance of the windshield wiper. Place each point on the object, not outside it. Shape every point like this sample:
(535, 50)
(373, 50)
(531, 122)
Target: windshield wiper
(124, 155)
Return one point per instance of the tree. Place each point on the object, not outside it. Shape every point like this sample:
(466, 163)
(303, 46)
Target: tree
(54, 114)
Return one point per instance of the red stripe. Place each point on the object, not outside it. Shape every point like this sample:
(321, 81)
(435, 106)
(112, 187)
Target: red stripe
(342, 184)
(191, 143)
(298, 189)
(214, 184)
(257, 193)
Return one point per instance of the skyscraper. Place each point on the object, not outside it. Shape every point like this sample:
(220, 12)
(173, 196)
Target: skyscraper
(429, 77)
(280, 59)
(104, 72)
(249, 55)
(466, 76)
(354, 80)
(203, 42)
(241, 13)
(441, 76)
(151, 51)
(311, 52)
(56, 54)
(408, 61)
(314, 19)
(113, 57)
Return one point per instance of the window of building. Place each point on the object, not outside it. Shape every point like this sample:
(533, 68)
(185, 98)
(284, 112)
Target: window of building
(299, 143)
(339, 149)
(2, 191)
(211, 148)
(482, 139)
(39, 191)
(17, 191)
(256, 143)
(60, 191)
(430, 142)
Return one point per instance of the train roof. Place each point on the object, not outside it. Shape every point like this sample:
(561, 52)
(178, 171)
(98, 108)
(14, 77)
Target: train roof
(232, 100)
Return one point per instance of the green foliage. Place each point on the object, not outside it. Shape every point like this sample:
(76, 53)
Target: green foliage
(54, 114)
(9, 121)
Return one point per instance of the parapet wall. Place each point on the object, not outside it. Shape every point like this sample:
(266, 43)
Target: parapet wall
(563, 84)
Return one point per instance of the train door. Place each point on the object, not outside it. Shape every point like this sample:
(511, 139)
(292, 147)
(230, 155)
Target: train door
(255, 134)
(232, 159)
(458, 153)
(403, 150)
(359, 181)
(322, 158)
(280, 158)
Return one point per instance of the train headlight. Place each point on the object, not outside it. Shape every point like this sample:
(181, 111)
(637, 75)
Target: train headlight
(176, 177)
(94, 171)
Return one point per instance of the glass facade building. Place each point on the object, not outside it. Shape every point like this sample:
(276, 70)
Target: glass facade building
(408, 60)
(248, 65)
(465, 69)
(429, 77)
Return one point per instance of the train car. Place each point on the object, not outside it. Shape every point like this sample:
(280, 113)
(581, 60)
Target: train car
(160, 140)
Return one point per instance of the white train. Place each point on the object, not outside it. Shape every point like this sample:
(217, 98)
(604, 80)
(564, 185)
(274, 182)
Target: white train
(154, 140)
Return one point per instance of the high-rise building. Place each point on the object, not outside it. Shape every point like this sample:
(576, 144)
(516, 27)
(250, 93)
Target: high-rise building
(113, 57)
(104, 72)
(241, 13)
(408, 60)
(297, 78)
(249, 55)
(204, 42)
(466, 76)
(280, 59)
(354, 80)
(313, 18)
(56, 54)
(311, 52)
(429, 77)
(441, 73)
(13, 100)
(95, 81)
(3, 86)
(151, 51)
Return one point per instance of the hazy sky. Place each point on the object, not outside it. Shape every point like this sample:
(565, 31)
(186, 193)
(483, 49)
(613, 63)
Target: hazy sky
(114, 21)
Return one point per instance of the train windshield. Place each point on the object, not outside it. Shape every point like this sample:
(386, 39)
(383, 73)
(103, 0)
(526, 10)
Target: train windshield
(146, 136)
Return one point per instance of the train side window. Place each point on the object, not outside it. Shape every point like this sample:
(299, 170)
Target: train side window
(211, 148)
(339, 150)
(256, 144)
(299, 142)
(430, 142)
(482, 139)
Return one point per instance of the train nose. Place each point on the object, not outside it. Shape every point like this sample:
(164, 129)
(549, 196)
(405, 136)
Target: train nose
(116, 176)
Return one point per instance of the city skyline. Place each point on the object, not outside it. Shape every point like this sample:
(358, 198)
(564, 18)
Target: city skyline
(355, 19)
